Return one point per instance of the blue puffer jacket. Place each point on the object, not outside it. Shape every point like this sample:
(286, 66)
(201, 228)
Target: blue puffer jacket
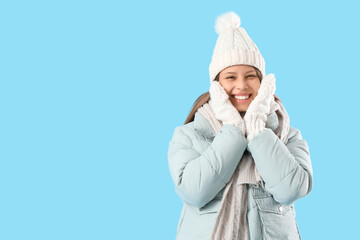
(201, 163)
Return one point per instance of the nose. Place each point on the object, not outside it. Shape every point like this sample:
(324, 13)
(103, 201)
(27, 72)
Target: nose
(241, 84)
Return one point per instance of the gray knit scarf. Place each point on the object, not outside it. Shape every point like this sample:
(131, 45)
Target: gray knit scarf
(231, 222)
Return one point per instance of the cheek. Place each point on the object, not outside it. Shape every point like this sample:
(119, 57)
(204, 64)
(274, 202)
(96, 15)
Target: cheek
(255, 86)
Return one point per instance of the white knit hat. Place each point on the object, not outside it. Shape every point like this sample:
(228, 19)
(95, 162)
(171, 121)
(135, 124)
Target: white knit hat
(233, 46)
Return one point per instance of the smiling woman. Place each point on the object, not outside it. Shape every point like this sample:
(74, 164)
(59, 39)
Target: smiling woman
(236, 163)
(241, 83)
(205, 97)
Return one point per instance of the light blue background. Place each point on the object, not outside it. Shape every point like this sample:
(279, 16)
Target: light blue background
(91, 91)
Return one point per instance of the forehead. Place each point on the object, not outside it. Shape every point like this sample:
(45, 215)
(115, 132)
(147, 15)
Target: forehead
(238, 69)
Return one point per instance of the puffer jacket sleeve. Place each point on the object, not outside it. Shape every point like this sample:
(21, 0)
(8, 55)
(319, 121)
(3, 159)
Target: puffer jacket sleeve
(199, 176)
(285, 169)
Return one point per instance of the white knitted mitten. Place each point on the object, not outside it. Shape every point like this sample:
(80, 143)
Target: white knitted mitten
(223, 108)
(256, 115)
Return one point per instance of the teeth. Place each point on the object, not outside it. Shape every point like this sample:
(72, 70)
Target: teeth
(241, 97)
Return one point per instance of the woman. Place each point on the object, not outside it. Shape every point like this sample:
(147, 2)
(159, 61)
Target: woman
(236, 163)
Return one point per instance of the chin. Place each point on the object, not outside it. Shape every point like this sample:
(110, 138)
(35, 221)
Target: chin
(242, 109)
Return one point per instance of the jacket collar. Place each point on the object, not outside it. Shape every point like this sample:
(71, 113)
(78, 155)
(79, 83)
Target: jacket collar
(202, 125)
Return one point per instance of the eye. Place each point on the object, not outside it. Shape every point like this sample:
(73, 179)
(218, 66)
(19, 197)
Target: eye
(230, 77)
(251, 76)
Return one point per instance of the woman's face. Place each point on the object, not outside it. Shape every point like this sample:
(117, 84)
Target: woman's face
(241, 84)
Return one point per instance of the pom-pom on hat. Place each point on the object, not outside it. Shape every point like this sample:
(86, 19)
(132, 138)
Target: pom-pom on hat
(233, 46)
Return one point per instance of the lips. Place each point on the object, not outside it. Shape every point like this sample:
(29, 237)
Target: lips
(241, 100)
(242, 97)
(241, 94)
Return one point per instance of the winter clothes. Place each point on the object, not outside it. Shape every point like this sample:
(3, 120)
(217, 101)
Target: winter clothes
(231, 222)
(233, 46)
(202, 162)
(232, 186)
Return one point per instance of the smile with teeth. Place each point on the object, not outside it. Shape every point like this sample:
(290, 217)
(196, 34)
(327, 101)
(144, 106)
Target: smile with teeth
(242, 97)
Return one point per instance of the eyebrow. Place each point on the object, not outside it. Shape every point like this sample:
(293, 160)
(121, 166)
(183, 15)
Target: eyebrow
(236, 72)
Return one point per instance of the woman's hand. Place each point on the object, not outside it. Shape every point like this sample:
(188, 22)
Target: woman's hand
(256, 115)
(223, 108)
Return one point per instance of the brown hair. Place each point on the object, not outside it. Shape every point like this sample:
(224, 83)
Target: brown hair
(205, 97)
